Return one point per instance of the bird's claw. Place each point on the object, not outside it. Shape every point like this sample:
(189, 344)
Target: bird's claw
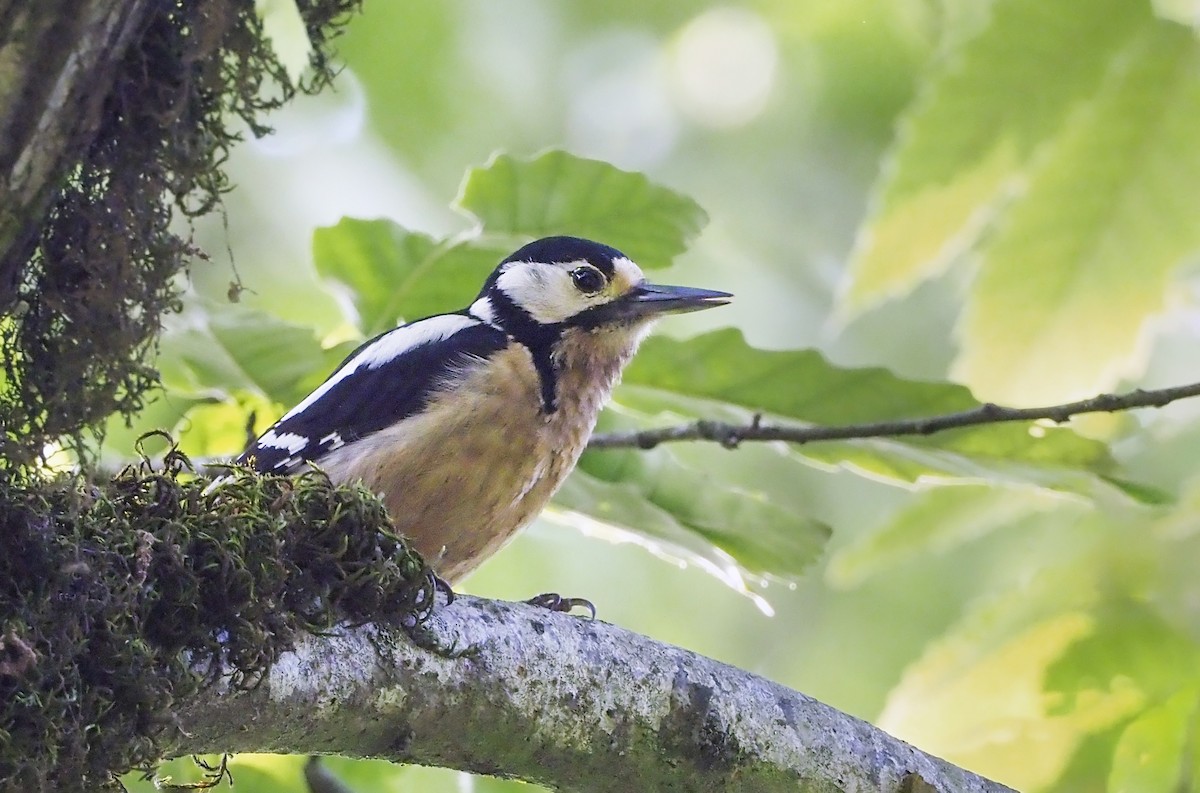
(442, 585)
(556, 602)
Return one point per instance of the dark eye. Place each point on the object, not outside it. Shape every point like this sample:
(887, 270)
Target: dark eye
(588, 280)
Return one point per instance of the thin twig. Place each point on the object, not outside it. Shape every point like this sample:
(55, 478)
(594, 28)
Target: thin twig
(730, 435)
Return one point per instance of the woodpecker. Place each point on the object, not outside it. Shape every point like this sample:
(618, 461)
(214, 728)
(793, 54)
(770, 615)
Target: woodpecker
(466, 423)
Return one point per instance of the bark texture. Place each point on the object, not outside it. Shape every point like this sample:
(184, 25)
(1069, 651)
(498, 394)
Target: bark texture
(57, 60)
(516, 691)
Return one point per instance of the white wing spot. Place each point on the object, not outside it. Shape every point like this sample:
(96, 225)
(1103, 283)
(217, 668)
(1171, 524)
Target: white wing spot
(290, 441)
(334, 440)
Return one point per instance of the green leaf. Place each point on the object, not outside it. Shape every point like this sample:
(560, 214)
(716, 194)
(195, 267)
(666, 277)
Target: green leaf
(940, 519)
(659, 494)
(392, 274)
(1129, 644)
(1155, 751)
(217, 431)
(964, 144)
(975, 696)
(1085, 257)
(558, 193)
(233, 349)
(801, 385)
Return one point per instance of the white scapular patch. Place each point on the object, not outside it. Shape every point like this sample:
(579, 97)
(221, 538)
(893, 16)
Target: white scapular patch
(290, 441)
(389, 347)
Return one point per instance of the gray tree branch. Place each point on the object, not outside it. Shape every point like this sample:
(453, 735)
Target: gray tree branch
(575, 704)
(730, 435)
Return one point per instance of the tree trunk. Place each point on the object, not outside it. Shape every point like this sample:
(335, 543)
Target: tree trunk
(57, 63)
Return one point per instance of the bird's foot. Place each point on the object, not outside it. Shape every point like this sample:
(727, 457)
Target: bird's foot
(556, 602)
(426, 600)
(426, 637)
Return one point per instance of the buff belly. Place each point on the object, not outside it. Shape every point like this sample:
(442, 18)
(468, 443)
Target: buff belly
(476, 466)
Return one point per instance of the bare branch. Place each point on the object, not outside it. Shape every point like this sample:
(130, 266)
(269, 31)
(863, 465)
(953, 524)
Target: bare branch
(568, 702)
(730, 435)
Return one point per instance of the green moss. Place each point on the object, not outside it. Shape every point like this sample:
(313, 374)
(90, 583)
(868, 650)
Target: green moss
(116, 601)
(91, 294)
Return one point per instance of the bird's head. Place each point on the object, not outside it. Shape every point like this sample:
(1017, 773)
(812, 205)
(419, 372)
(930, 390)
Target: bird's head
(558, 283)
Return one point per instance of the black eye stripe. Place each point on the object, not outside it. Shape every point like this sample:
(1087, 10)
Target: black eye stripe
(588, 279)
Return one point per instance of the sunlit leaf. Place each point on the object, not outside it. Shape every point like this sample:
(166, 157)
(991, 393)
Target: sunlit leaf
(1085, 257)
(558, 193)
(392, 274)
(975, 696)
(252, 772)
(162, 413)
(803, 386)
(380, 776)
(936, 521)
(1153, 753)
(1128, 644)
(215, 431)
(965, 143)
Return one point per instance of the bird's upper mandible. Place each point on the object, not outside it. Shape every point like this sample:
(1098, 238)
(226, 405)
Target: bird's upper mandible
(465, 423)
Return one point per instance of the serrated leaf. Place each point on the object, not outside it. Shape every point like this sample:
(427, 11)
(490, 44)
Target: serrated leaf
(803, 386)
(559, 193)
(964, 144)
(697, 509)
(391, 273)
(1085, 257)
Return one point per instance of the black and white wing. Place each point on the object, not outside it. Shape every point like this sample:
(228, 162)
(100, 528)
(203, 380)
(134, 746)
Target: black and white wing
(387, 379)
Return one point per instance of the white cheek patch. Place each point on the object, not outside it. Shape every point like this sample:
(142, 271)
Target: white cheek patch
(545, 291)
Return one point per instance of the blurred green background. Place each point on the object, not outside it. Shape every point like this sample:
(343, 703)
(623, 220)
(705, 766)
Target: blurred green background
(1001, 195)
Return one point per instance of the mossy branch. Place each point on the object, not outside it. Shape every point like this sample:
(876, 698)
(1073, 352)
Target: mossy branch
(120, 600)
(158, 614)
(576, 704)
